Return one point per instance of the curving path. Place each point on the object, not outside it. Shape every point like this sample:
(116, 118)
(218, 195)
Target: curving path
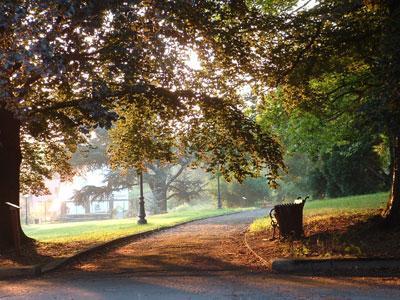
(213, 244)
(201, 260)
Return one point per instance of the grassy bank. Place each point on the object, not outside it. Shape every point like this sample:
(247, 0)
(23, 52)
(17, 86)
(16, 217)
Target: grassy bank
(342, 227)
(326, 208)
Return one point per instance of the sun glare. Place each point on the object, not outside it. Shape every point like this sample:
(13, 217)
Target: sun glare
(193, 61)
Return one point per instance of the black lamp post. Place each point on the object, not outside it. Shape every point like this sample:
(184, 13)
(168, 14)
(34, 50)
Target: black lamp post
(142, 213)
(219, 192)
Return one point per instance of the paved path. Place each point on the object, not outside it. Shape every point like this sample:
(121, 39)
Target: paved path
(201, 260)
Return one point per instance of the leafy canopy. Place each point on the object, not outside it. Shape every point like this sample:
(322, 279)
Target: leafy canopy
(68, 66)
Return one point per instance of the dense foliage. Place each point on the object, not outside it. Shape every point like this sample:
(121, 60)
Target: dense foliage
(326, 157)
(71, 65)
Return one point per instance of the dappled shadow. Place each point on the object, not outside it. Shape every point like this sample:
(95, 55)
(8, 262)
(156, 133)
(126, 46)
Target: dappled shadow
(348, 236)
(195, 285)
(166, 262)
(361, 238)
(349, 241)
(29, 255)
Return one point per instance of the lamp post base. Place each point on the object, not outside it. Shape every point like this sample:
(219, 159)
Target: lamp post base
(142, 221)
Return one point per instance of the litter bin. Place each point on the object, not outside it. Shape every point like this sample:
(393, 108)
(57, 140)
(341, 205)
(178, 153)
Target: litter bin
(14, 215)
(288, 218)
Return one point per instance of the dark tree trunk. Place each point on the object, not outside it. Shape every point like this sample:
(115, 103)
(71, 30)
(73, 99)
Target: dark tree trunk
(392, 212)
(10, 162)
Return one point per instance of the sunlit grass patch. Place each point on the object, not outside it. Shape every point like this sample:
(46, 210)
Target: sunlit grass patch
(260, 224)
(105, 230)
(346, 204)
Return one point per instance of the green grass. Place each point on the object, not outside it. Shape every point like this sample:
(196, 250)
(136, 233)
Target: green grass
(105, 230)
(319, 209)
(346, 204)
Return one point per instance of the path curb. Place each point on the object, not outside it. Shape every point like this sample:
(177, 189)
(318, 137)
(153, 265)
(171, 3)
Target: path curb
(37, 270)
(24, 271)
(335, 266)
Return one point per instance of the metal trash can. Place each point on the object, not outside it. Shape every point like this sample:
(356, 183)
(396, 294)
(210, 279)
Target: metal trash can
(288, 218)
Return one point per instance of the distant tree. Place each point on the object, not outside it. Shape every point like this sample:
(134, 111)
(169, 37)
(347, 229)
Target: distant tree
(250, 192)
(190, 186)
(165, 180)
(326, 157)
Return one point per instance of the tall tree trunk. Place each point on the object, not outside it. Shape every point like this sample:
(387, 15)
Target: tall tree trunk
(390, 51)
(10, 162)
(392, 212)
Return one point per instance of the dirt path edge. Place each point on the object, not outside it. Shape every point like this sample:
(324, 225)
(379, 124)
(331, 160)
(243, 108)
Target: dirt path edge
(342, 266)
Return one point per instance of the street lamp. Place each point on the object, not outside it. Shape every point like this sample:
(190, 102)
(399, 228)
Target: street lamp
(219, 192)
(142, 213)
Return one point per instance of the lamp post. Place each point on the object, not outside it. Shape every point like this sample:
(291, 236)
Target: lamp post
(219, 192)
(142, 213)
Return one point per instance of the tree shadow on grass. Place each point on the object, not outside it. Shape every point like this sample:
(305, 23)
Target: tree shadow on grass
(365, 237)
(349, 238)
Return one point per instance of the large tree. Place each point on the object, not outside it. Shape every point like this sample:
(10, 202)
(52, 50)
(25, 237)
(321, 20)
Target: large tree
(327, 156)
(45, 95)
(352, 44)
(70, 65)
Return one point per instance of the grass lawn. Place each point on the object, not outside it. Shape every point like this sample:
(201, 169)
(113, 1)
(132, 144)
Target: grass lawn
(105, 230)
(346, 204)
(341, 227)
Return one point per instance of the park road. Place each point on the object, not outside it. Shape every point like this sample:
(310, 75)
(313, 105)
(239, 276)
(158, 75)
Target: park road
(201, 260)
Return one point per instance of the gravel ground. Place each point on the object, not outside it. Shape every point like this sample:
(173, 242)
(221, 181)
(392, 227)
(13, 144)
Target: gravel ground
(201, 260)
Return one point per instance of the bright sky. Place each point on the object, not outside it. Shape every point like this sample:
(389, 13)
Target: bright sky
(193, 60)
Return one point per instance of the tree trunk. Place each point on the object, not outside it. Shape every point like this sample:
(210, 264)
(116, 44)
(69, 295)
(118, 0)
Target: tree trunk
(392, 212)
(132, 204)
(111, 208)
(10, 162)
(159, 189)
(160, 197)
(87, 208)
